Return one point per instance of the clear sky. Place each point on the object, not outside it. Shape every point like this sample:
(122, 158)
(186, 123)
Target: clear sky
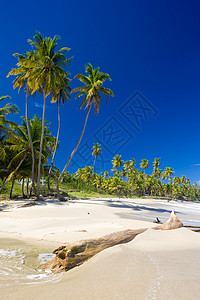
(151, 49)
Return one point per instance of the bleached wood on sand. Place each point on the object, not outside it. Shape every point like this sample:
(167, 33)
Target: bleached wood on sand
(72, 255)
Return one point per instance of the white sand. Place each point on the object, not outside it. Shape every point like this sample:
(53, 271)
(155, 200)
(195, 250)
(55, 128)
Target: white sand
(155, 265)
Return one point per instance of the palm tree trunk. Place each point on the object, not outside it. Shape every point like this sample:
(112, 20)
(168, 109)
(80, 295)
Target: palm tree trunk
(73, 152)
(132, 184)
(31, 144)
(54, 153)
(11, 190)
(126, 189)
(41, 145)
(23, 196)
(6, 181)
(144, 184)
(27, 186)
(94, 164)
(90, 185)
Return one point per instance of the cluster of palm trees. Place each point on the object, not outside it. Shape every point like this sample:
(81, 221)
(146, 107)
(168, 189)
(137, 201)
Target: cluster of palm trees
(15, 149)
(43, 71)
(28, 150)
(124, 179)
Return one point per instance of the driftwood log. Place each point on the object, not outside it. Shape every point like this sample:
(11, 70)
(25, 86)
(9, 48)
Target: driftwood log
(72, 255)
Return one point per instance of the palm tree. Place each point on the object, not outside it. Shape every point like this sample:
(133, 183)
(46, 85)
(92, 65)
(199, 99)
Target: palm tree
(80, 174)
(117, 161)
(22, 73)
(87, 175)
(96, 152)
(144, 165)
(168, 173)
(156, 171)
(46, 66)
(106, 173)
(131, 173)
(6, 130)
(92, 89)
(4, 123)
(60, 94)
(19, 146)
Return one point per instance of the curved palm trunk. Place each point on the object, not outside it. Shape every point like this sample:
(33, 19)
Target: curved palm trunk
(40, 154)
(54, 153)
(31, 144)
(73, 152)
(14, 172)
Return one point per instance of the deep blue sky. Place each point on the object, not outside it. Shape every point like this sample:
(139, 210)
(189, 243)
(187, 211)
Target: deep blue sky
(152, 47)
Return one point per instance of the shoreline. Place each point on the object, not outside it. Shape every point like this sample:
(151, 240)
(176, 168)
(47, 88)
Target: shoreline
(149, 266)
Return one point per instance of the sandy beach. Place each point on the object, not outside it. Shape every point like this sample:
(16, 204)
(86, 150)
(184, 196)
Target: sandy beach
(155, 265)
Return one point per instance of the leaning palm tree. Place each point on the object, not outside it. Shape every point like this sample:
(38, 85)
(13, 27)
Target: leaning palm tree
(46, 65)
(91, 90)
(60, 94)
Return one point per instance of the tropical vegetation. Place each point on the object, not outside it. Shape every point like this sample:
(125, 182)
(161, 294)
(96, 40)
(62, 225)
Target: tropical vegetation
(28, 150)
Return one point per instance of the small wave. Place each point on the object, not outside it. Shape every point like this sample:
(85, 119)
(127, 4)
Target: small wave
(17, 267)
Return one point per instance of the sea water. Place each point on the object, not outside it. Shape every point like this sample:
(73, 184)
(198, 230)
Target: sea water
(18, 263)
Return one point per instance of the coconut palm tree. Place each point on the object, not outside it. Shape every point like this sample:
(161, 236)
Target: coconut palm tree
(60, 94)
(132, 173)
(46, 65)
(91, 90)
(144, 165)
(6, 130)
(80, 174)
(19, 146)
(156, 171)
(167, 173)
(22, 73)
(96, 152)
(117, 161)
(87, 176)
(4, 123)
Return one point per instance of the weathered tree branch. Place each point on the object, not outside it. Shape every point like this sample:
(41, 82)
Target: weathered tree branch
(72, 255)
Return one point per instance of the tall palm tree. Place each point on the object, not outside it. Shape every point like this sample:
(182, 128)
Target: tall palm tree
(92, 89)
(144, 165)
(96, 152)
(156, 171)
(132, 172)
(46, 65)
(60, 94)
(22, 72)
